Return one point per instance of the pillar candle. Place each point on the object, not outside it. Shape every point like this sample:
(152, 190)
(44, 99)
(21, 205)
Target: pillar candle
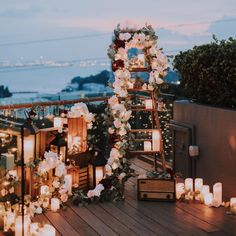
(68, 183)
(198, 183)
(217, 193)
(9, 220)
(147, 146)
(58, 122)
(208, 198)
(44, 190)
(232, 201)
(55, 204)
(189, 184)
(47, 230)
(18, 225)
(179, 190)
(156, 140)
(205, 190)
(148, 104)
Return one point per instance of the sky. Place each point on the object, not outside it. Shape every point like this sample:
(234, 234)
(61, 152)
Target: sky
(83, 29)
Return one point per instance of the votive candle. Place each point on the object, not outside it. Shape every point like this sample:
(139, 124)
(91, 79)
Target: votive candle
(189, 184)
(179, 190)
(217, 193)
(147, 146)
(208, 198)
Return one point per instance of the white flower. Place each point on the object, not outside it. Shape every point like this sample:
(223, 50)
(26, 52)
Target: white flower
(89, 117)
(108, 169)
(60, 170)
(121, 54)
(117, 123)
(56, 184)
(159, 81)
(152, 51)
(64, 197)
(126, 115)
(113, 101)
(90, 125)
(121, 176)
(98, 189)
(122, 132)
(90, 193)
(39, 210)
(111, 131)
(115, 165)
(115, 153)
(124, 36)
(46, 203)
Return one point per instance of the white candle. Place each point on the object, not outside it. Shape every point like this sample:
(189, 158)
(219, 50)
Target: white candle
(147, 146)
(232, 202)
(47, 230)
(44, 190)
(34, 227)
(189, 184)
(68, 183)
(55, 204)
(9, 220)
(179, 190)
(148, 104)
(208, 198)
(198, 183)
(18, 225)
(205, 190)
(58, 122)
(217, 193)
(156, 140)
(28, 149)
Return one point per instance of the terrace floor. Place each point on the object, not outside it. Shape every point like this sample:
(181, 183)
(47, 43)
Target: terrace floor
(133, 217)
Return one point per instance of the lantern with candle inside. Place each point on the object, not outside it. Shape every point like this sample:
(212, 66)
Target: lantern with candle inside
(59, 145)
(179, 190)
(96, 170)
(148, 104)
(77, 135)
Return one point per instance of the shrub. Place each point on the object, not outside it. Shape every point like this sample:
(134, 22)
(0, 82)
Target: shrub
(209, 73)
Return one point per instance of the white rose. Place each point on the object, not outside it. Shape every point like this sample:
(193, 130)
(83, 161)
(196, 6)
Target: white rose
(111, 131)
(90, 193)
(122, 132)
(39, 210)
(121, 176)
(108, 169)
(56, 184)
(115, 165)
(64, 197)
(115, 153)
(113, 100)
(117, 124)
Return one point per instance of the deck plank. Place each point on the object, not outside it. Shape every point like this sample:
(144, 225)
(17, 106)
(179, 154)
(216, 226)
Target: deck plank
(93, 221)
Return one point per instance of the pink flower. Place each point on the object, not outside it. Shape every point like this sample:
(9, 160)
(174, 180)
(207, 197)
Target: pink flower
(117, 124)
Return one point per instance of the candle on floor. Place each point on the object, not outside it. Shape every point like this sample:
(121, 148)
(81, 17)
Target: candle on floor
(198, 183)
(44, 190)
(205, 190)
(179, 190)
(232, 201)
(147, 146)
(189, 184)
(68, 183)
(148, 104)
(18, 225)
(217, 193)
(47, 230)
(9, 220)
(55, 204)
(208, 198)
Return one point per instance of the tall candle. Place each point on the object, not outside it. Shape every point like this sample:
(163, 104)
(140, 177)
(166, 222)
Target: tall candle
(189, 184)
(28, 149)
(47, 230)
(198, 183)
(205, 190)
(58, 122)
(217, 193)
(147, 146)
(44, 190)
(9, 220)
(55, 204)
(156, 140)
(179, 190)
(208, 198)
(68, 183)
(148, 104)
(18, 225)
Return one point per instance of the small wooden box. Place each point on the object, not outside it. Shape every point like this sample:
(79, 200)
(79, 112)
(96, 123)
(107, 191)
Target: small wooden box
(156, 189)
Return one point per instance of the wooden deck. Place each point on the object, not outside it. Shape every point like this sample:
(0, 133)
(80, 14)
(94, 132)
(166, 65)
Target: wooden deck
(133, 217)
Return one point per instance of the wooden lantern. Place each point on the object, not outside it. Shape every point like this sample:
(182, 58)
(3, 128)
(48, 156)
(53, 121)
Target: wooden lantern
(77, 135)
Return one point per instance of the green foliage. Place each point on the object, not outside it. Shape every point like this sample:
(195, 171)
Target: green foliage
(209, 73)
(4, 92)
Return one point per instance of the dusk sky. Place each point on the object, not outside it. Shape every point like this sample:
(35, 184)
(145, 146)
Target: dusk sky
(179, 25)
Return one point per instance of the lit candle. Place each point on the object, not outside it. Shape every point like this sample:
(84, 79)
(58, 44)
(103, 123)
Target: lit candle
(28, 149)
(9, 220)
(18, 225)
(148, 104)
(147, 146)
(232, 201)
(208, 198)
(217, 193)
(156, 140)
(179, 190)
(205, 190)
(44, 190)
(47, 230)
(55, 204)
(34, 227)
(189, 184)
(99, 174)
(58, 122)
(68, 183)
(198, 183)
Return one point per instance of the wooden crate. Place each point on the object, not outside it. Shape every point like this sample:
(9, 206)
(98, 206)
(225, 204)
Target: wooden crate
(77, 127)
(156, 189)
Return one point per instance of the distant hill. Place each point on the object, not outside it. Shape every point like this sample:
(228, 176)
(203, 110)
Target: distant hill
(78, 82)
(4, 92)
